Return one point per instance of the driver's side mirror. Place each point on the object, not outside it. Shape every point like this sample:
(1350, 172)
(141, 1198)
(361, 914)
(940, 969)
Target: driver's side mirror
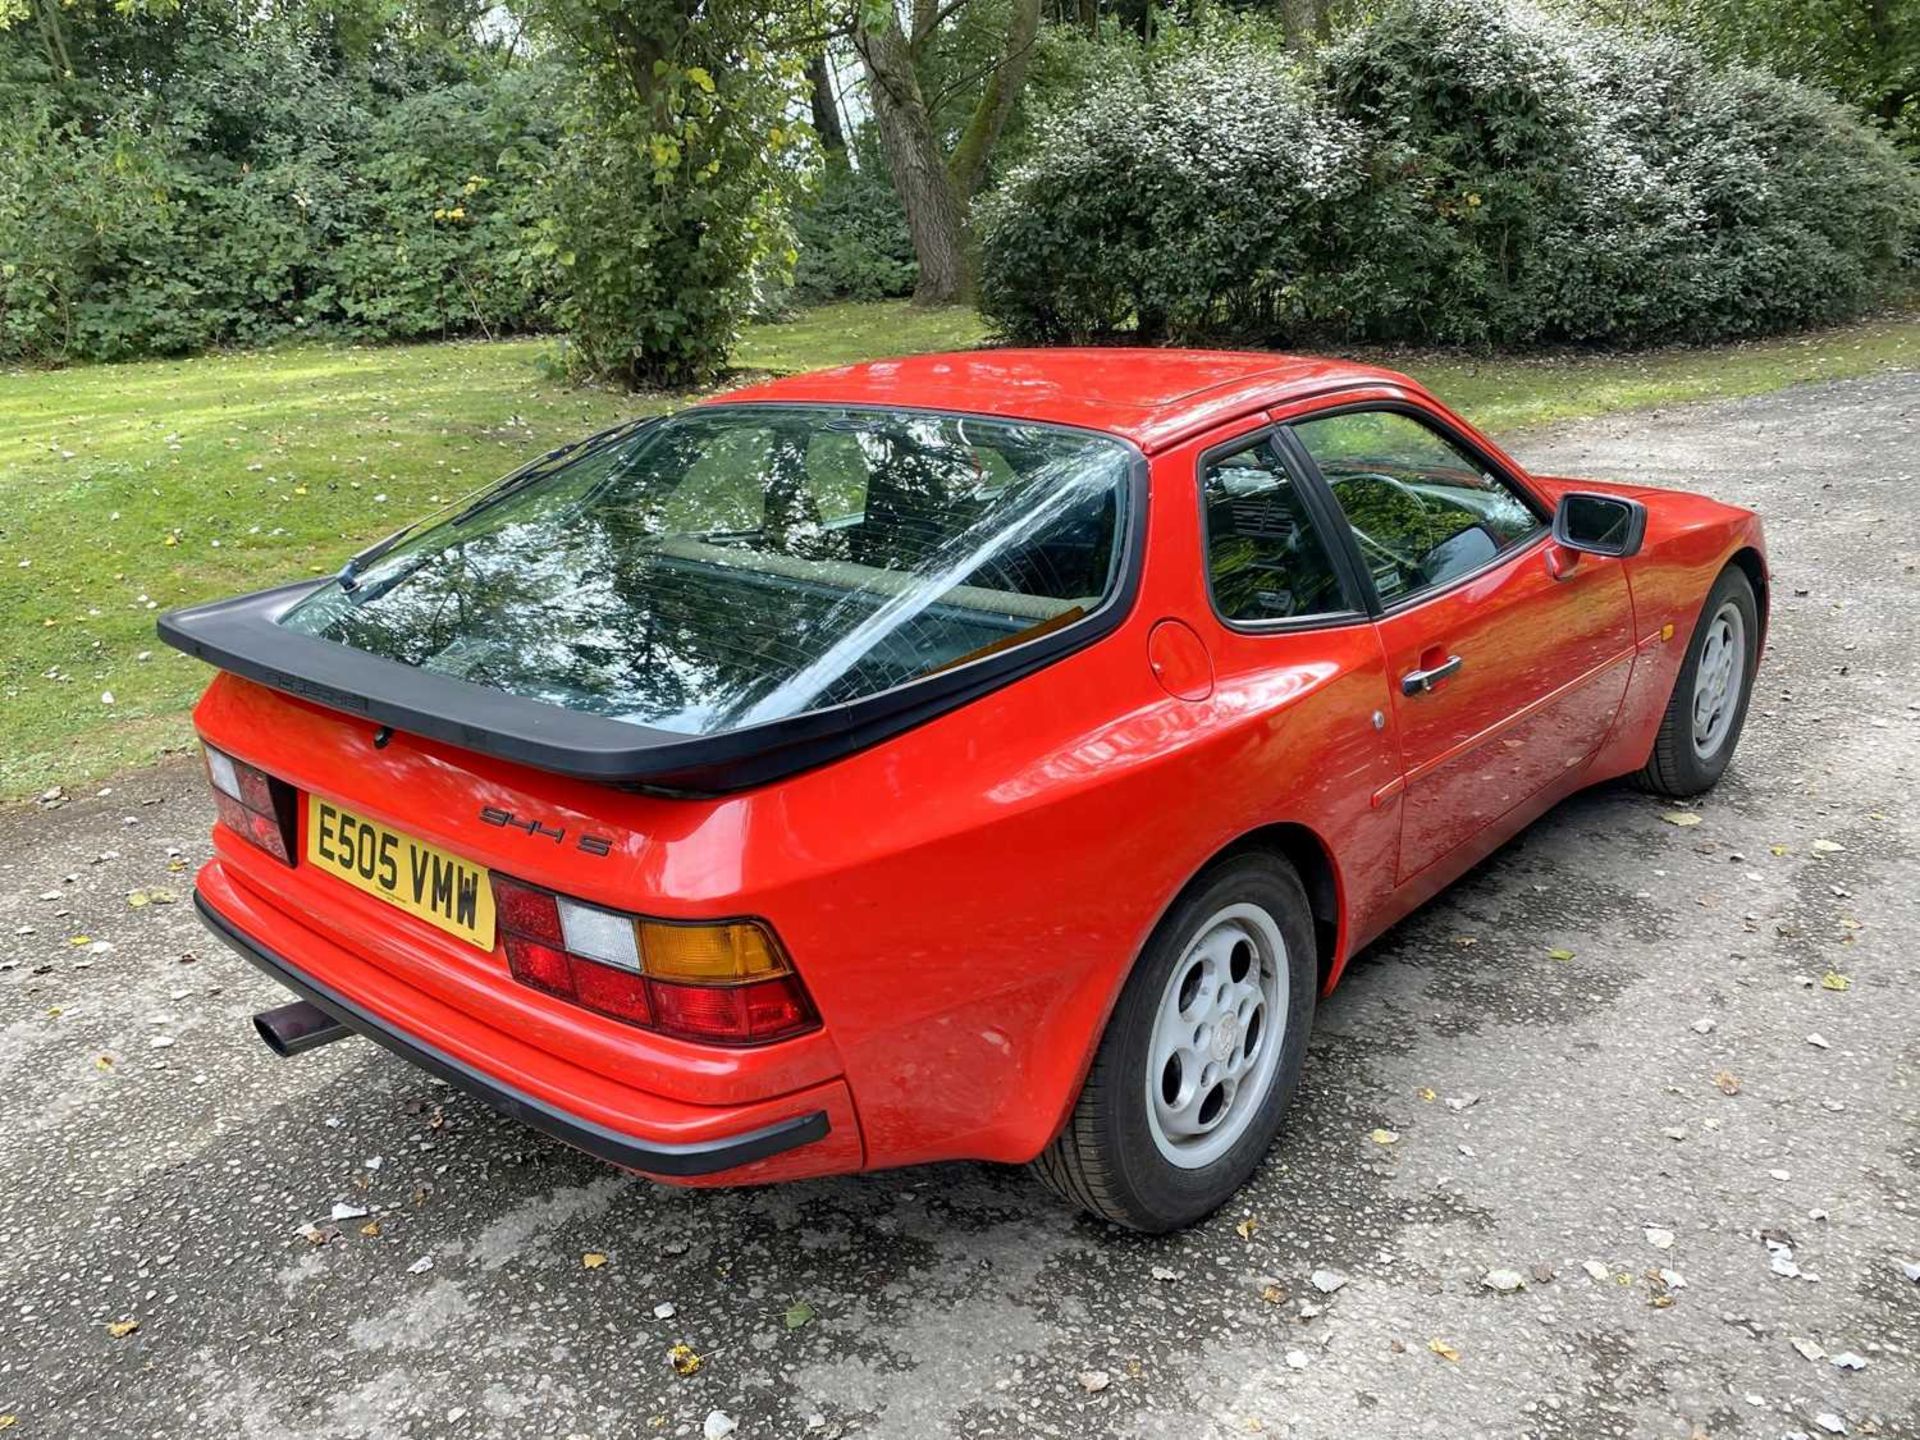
(1600, 524)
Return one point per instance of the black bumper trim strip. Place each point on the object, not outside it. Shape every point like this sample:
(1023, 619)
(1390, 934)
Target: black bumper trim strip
(703, 1158)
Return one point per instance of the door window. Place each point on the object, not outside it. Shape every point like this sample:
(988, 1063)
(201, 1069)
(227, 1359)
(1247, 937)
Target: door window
(1423, 512)
(1265, 560)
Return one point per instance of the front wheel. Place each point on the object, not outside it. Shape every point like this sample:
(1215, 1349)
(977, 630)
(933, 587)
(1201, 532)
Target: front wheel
(1708, 706)
(1201, 1056)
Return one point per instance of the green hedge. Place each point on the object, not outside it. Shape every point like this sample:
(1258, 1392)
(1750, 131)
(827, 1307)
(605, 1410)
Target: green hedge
(274, 185)
(1455, 171)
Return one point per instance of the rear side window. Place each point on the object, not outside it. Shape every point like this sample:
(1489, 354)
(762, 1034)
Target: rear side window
(1265, 560)
(735, 565)
(1423, 512)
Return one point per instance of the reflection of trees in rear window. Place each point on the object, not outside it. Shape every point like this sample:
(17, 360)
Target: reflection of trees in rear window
(735, 565)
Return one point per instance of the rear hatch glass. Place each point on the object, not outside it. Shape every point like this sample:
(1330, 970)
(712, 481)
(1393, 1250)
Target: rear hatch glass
(736, 565)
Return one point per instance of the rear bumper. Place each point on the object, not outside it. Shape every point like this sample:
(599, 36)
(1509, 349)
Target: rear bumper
(750, 1152)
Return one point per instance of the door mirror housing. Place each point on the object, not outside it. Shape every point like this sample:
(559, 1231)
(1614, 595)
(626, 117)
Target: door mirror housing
(1600, 524)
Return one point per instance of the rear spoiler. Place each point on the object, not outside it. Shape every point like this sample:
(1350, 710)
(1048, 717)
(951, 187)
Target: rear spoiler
(243, 636)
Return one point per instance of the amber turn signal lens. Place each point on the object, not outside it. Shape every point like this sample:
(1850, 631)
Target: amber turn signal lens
(730, 954)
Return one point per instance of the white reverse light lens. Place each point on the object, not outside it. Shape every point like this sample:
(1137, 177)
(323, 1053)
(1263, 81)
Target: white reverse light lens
(221, 768)
(599, 934)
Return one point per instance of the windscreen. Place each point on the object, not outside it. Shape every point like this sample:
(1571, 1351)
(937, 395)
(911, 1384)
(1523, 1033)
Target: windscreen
(736, 565)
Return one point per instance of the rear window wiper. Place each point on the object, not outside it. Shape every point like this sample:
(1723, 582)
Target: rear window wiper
(491, 495)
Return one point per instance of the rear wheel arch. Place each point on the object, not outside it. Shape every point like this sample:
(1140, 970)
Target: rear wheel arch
(1312, 859)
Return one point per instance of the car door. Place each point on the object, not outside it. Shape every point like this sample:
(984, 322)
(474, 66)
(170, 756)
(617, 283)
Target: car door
(1508, 655)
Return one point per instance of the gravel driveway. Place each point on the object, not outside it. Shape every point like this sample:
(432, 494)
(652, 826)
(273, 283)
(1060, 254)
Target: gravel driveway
(1731, 1056)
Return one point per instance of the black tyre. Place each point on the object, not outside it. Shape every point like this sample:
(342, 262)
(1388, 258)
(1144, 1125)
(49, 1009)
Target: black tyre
(1201, 1056)
(1709, 702)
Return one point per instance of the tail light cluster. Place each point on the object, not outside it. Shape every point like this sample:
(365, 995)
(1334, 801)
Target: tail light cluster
(727, 983)
(253, 803)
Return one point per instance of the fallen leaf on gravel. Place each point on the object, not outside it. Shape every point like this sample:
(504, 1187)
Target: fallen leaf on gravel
(1672, 1279)
(1296, 1359)
(593, 1259)
(1834, 980)
(1659, 1239)
(79, 940)
(1830, 1422)
(1682, 818)
(120, 1329)
(1327, 1281)
(1809, 1349)
(1827, 847)
(1246, 1228)
(1847, 1360)
(1675, 1132)
(1505, 1281)
(1443, 1349)
(718, 1425)
(1780, 849)
(1727, 1081)
(348, 1212)
(664, 1310)
(421, 1266)
(1703, 1026)
(1457, 1103)
(1427, 1093)
(1273, 1294)
(371, 1229)
(1094, 1381)
(1818, 1041)
(1383, 1137)
(1559, 954)
(1595, 1269)
(798, 1314)
(1466, 942)
(683, 1360)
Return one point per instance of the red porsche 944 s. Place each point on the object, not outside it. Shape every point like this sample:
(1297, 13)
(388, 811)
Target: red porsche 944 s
(984, 756)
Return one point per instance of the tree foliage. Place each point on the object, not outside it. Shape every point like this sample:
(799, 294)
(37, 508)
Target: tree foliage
(1455, 171)
(173, 178)
(672, 194)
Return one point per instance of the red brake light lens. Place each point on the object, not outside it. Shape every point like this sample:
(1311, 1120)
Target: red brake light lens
(722, 984)
(252, 803)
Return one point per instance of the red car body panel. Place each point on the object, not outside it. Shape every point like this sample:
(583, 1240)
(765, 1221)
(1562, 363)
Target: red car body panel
(964, 900)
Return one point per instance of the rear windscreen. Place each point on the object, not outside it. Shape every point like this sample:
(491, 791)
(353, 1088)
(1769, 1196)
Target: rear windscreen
(736, 565)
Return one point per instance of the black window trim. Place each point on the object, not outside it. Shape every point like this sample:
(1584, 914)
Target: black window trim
(1323, 514)
(1543, 516)
(242, 635)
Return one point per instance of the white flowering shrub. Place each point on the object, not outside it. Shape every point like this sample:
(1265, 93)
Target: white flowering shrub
(1178, 197)
(1457, 171)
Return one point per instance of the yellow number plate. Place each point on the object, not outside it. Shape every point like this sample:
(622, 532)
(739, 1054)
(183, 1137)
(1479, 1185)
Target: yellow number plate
(421, 879)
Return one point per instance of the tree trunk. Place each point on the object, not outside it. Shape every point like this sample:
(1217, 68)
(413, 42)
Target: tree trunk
(1306, 22)
(969, 164)
(826, 108)
(1089, 14)
(934, 216)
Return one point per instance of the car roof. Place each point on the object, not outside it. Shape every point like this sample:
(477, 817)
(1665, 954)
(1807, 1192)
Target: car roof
(1151, 397)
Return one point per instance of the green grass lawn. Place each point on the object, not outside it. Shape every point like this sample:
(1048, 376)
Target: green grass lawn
(128, 489)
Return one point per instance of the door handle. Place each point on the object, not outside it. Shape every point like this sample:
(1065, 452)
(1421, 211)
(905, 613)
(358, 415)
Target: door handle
(1419, 682)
